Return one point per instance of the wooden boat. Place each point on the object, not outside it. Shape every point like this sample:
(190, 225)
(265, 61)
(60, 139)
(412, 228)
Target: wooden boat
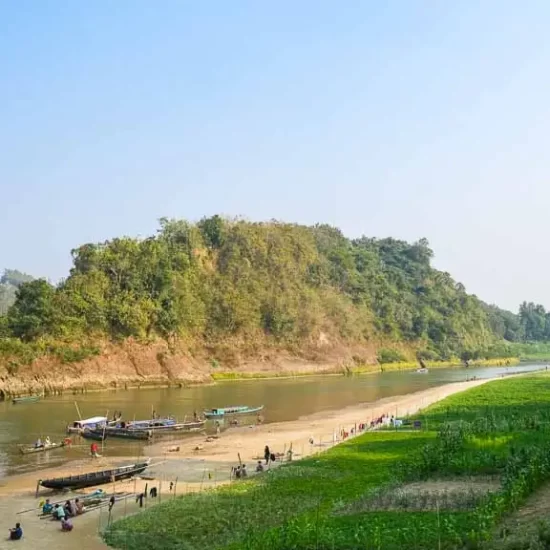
(95, 478)
(163, 425)
(30, 450)
(422, 370)
(117, 433)
(89, 423)
(27, 399)
(122, 433)
(227, 411)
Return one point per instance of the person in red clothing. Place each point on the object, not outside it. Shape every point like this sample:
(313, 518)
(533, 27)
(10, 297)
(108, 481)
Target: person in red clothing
(93, 449)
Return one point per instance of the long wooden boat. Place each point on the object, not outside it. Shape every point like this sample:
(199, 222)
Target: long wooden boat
(95, 478)
(117, 433)
(27, 399)
(122, 433)
(43, 448)
(157, 426)
(229, 411)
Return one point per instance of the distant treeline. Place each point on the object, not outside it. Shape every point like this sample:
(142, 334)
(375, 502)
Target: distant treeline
(223, 279)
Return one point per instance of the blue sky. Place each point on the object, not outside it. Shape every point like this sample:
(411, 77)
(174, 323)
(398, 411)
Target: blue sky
(404, 119)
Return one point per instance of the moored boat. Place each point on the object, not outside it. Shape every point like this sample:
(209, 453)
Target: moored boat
(95, 478)
(422, 370)
(25, 399)
(90, 423)
(169, 428)
(228, 411)
(118, 433)
(27, 450)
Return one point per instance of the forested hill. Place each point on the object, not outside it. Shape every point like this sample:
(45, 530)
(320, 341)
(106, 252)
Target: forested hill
(257, 284)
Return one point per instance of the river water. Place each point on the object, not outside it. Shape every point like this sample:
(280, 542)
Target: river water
(284, 400)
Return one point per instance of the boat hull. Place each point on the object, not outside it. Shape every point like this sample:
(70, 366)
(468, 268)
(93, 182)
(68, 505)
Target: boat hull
(32, 450)
(95, 478)
(29, 399)
(117, 433)
(231, 411)
(168, 428)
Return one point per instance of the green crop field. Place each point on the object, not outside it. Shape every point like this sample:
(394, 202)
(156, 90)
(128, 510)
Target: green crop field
(376, 491)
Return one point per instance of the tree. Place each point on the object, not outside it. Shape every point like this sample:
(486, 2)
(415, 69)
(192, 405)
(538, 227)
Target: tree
(32, 315)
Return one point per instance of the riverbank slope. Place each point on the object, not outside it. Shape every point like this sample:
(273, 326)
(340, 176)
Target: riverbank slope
(131, 364)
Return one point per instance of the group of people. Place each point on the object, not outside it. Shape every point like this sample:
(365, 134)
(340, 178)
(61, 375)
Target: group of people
(240, 471)
(64, 513)
(39, 443)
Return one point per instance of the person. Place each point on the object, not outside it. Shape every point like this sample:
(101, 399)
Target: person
(16, 533)
(58, 512)
(140, 499)
(66, 524)
(72, 508)
(153, 492)
(238, 472)
(79, 507)
(272, 457)
(93, 449)
(267, 454)
(171, 486)
(47, 443)
(217, 427)
(260, 466)
(195, 416)
(47, 508)
(38, 443)
(111, 502)
(244, 473)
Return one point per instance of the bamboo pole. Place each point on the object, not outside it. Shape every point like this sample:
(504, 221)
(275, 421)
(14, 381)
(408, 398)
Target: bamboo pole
(78, 410)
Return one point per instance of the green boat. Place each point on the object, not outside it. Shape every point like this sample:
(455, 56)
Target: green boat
(229, 411)
(27, 399)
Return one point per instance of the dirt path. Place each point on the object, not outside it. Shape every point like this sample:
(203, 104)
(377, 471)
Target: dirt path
(197, 469)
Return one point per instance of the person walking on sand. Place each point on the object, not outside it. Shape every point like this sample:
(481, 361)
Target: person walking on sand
(267, 454)
(93, 450)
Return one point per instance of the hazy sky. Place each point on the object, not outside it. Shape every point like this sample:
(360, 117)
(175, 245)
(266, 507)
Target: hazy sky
(393, 118)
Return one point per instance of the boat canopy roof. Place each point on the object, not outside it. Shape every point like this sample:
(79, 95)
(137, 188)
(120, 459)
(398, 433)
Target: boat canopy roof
(93, 420)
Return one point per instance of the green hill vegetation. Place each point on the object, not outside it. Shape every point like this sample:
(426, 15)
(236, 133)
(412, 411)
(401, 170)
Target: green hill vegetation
(250, 285)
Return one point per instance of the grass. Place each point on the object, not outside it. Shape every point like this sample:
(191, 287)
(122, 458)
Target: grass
(500, 429)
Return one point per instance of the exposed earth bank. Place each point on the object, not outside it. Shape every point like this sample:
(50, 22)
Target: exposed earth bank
(131, 364)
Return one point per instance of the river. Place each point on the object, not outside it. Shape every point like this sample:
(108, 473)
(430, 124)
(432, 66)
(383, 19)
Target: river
(284, 400)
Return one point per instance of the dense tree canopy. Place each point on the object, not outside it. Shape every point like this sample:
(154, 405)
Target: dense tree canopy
(224, 278)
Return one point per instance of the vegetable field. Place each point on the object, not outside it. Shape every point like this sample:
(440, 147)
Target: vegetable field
(478, 456)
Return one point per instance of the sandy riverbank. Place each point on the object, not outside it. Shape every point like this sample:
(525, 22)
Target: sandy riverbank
(196, 469)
